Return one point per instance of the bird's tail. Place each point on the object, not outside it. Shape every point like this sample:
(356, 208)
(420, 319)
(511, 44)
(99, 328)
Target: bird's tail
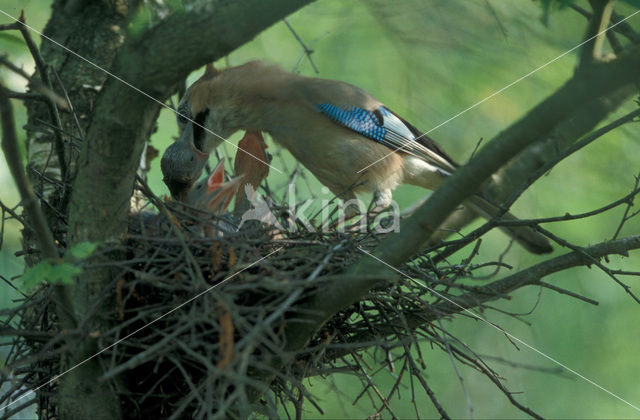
(526, 236)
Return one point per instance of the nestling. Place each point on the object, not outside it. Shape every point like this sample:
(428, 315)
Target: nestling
(333, 128)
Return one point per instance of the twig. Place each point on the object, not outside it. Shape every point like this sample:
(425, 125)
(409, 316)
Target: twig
(567, 292)
(69, 105)
(627, 199)
(531, 275)
(489, 374)
(497, 19)
(36, 84)
(455, 368)
(54, 101)
(415, 372)
(591, 260)
(53, 106)
(17, 409)
(10, 26)
(307, 50)
(26, 96)
(625, 216)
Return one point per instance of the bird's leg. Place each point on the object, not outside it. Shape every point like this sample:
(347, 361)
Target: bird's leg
(382, 199)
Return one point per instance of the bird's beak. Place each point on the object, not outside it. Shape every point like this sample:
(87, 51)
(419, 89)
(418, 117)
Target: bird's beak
(219, 194)
(182, 164)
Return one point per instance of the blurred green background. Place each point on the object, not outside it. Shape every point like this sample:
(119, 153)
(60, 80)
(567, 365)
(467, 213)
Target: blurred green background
(429, 60)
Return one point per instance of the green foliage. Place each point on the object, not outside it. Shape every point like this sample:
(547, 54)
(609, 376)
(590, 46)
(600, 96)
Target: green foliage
(14, 39)
(140, 22)
(61, 271)
(150, 13)
(552, 5)
(83, 250)
(55, 273)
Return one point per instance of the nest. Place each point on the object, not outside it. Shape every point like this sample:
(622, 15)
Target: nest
(200, 307)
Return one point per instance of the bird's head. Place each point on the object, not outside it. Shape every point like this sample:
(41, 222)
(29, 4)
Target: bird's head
(182, 165)
(212, 109)
(183, 161)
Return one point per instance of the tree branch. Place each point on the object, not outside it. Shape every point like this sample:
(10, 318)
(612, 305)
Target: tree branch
(529, 276)
(511, 181)
(592, 50)
(623, 28)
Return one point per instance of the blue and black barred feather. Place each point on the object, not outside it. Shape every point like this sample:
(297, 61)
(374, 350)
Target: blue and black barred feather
(386, 127)
(368, 123)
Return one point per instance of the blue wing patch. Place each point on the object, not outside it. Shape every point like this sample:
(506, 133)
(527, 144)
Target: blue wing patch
(385, 127)
(368, 123)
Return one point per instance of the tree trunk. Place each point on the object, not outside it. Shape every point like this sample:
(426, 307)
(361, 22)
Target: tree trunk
(93, 31)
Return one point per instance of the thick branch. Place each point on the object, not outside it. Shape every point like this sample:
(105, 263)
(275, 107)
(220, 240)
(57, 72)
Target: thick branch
(532, 172)
(529, 165)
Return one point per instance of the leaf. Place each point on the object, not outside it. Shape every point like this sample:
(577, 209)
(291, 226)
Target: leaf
(63, 273)
(36, 275)
(83, 250)
(57, 273)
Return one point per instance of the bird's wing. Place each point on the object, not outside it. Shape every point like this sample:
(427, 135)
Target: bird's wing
(353, 108)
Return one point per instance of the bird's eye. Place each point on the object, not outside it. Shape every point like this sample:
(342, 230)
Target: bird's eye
(198, 129)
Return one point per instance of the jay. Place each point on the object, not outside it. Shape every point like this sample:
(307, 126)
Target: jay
(333, 128)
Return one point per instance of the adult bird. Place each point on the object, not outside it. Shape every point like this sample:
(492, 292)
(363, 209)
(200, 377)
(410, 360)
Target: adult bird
(333, 128)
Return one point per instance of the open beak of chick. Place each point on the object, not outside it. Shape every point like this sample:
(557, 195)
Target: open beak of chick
(214, 194)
